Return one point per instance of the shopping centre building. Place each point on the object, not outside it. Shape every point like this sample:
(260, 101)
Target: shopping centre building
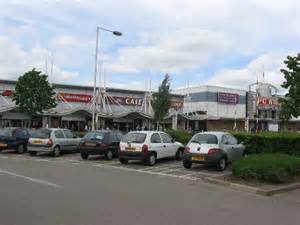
(115, 109)
(198, 108)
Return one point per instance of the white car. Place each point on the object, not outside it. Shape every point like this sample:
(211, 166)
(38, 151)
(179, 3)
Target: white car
(148, 146)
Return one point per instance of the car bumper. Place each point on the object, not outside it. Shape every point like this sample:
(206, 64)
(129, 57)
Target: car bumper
(92, 151)
(206, 159)
(39, 148)
(132, 155)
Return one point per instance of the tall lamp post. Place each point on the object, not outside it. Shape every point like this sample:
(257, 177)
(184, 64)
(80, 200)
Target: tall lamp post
(117, 33)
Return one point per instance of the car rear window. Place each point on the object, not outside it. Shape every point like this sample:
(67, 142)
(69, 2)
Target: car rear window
(95, 135)
(205, 139)
(42, 134)
(134, 138)
(6, 132)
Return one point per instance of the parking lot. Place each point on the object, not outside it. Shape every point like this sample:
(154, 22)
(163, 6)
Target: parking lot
(164, 167)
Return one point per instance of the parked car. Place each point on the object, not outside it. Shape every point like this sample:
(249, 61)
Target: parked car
(148, 146)
(102, 142)
(52, 140)
(14, 138)
(212, 148)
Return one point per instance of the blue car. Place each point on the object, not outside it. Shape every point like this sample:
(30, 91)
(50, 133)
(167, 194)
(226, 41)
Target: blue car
(14, 138)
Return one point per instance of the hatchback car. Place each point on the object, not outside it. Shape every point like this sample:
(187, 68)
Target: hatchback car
(52, 140)
(14, 138)
(212, 148)
(102, 142)
(148, 146)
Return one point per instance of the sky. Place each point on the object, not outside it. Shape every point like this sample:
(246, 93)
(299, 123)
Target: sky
(197, 42)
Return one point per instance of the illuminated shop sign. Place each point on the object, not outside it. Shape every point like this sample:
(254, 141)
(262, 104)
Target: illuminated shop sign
(228, 98)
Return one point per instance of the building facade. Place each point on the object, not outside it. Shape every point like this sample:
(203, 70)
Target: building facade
(214, 108)
(115, 108)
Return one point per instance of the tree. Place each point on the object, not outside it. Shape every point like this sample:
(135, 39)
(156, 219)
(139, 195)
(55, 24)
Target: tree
(290, 104)
(162, 100)
(33, 94)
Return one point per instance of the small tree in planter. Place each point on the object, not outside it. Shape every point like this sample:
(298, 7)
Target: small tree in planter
(161, 100)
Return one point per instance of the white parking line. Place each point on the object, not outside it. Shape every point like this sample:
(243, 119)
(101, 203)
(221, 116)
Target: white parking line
(34, 180)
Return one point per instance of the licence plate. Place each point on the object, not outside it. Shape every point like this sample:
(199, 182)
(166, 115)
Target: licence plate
(37, 142)
(198, 158)
(91, 144)
(129, 149)
(3, 145)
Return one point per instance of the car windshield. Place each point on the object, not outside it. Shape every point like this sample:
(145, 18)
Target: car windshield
(205, 139)
(95, 135)
(42, 134)
(7, 132)
(134, 138)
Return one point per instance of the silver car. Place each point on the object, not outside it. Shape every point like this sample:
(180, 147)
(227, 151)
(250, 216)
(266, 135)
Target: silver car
(53, 140)
(212, 148)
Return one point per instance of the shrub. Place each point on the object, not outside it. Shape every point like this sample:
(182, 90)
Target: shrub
(273, 168)
(180, 135)
(267, 142)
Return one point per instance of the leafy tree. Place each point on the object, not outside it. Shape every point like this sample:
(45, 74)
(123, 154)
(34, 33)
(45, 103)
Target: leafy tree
(290, 104)
(33, 94)
(162, 100)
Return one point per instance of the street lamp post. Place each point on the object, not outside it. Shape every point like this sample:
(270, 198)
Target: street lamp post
(117, 33)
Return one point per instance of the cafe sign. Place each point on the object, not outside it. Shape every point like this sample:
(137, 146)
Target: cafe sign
(228, 98)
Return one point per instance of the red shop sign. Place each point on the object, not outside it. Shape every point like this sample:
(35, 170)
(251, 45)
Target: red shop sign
(71, 97)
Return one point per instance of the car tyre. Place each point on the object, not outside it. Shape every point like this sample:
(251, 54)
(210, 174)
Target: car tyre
(56, 152)
(179, 154)
(123, 161)
(84, 155)
(109, 155)
(187, 164)
(20, 149)
(151, 160)
(221, 165)
(32, 153)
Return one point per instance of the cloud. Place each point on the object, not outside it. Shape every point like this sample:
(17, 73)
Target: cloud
(14, 61)
(174, 52)
(268, 63)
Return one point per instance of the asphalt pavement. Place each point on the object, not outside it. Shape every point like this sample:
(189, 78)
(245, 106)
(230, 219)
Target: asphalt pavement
(68, 191)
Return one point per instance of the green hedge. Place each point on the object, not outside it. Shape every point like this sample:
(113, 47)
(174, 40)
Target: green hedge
(180, 135)
(265, 142)
(272, 168)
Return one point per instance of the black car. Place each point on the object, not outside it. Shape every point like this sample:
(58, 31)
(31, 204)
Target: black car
(102, 142)
(14, 138)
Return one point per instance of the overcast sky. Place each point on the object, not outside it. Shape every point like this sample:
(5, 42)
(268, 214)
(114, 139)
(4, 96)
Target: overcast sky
(218, 42)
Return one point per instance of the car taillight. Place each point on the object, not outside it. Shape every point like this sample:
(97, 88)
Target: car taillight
(50, 142)
(187, 150)
(145, 149)
(213, 151)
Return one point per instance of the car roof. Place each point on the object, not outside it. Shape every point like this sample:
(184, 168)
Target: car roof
(146, 131)
(216, 133)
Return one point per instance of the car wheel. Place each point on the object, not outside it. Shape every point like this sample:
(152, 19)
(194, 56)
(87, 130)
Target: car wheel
(179, 154)
(123, 161)
(56, 152)
(151, 160)
(84, 155)
(20, 149)
(245, 154)
(109, 155)
(32, 153)
(221, 165)
(187, 164)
